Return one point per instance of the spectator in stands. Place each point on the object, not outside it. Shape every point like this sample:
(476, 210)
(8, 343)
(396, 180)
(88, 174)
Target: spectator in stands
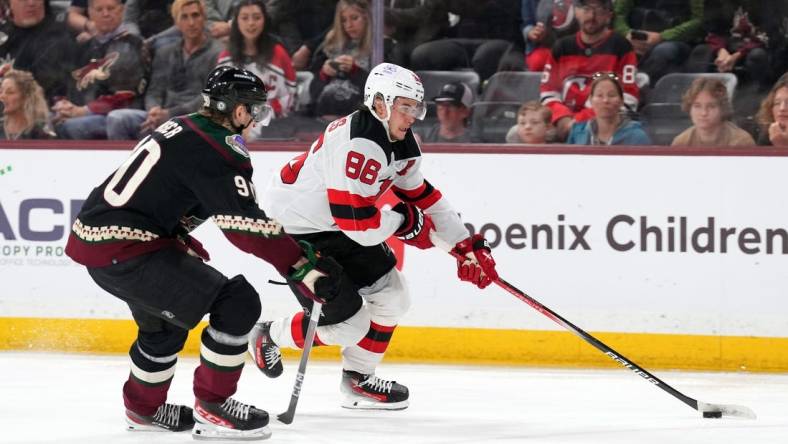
(342, 62)
(110, 77)
(710, 109)
(38, 43)
(453, 105)
(178, 74)
(252, 47)
(313, 20)
(737, 40)
(609, 126)
(78, 21)
(299, 22)
(484, 39)
(533, 125)
(773, 115)
(151, 19)
(662, 32)
(219, 14)
(574, 59)
(543, 22)
(25, 113)
(413, 22)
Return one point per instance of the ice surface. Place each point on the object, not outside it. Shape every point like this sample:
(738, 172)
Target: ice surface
(65, 398)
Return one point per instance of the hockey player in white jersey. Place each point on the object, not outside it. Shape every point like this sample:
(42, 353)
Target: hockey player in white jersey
(327, 196)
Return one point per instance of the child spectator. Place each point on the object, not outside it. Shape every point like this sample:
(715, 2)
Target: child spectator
(710, 109)
(252, 47)
(609, 126)
(25, 113)
(773, 115)
(533, 125)
(341, 64)
(453, 108)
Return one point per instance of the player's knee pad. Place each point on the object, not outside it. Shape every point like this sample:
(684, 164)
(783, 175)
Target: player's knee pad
(348, 332)
(388, 298)
(237, 307)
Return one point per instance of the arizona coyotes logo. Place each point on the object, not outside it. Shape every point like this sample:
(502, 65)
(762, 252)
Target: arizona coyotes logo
(96, 70)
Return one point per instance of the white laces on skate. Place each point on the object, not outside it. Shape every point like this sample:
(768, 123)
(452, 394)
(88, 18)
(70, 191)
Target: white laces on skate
(237, 409)
(377, 384)
(169, 414)
(272, 356)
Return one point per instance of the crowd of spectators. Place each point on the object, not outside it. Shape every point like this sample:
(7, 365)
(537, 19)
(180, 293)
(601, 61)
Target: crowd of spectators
(116, 69)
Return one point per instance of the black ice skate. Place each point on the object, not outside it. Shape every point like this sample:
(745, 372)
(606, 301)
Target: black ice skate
(229, 420)
(370, 392)
(265, 353)
(168, 418)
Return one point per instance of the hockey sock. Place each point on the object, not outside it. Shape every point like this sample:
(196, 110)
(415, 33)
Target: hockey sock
(221, 361)
(149, 380)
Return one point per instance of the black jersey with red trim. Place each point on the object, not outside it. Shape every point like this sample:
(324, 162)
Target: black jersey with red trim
(567, 75)
(188, 170)
(335, 185)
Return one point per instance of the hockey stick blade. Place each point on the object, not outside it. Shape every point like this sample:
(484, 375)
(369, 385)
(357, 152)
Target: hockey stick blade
(706, 410)
(738, 411)
(288, 416)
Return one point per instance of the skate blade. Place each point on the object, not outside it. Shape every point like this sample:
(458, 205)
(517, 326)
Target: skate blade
(355, 403)
(132, 426)
(209, 432)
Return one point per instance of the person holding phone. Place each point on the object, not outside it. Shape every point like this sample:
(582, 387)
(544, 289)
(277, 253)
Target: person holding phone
(662, 32)
(342, 62)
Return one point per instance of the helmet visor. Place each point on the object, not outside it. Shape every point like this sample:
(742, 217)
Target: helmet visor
(261, 113)
(417, 112)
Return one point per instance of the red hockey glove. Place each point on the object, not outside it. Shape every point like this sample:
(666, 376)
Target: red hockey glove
(479, 267)
(415, 230)
(317, 277)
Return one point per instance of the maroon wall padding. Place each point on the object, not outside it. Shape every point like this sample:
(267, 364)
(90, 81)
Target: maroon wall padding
(476, 148)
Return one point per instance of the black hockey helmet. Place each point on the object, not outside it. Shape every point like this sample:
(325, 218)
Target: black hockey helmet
(228, 86)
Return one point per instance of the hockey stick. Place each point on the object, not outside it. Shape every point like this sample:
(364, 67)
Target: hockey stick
(707, 410)
(314, 317)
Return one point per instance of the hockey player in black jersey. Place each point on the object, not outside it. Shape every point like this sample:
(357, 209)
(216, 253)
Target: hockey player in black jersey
(133, 236)
(327, 196)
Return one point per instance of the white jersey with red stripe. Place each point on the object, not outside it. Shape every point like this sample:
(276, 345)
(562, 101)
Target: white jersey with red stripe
(336, 184)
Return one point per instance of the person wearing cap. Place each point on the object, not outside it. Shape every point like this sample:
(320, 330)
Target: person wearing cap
(453, 108)
(574, 59)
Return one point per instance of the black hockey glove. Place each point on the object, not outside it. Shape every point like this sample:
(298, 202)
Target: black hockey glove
(317, 277)
(415, 229)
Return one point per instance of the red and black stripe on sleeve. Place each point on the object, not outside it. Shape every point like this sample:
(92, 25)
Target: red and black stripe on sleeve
(423, 196)
(353, 212)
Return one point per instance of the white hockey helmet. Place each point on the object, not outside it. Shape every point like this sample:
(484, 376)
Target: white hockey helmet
(392, 81)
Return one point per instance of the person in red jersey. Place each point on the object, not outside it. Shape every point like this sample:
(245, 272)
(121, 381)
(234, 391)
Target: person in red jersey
(574, 59)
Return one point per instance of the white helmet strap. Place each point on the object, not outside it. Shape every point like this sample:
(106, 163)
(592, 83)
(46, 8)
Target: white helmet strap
(385, 119)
